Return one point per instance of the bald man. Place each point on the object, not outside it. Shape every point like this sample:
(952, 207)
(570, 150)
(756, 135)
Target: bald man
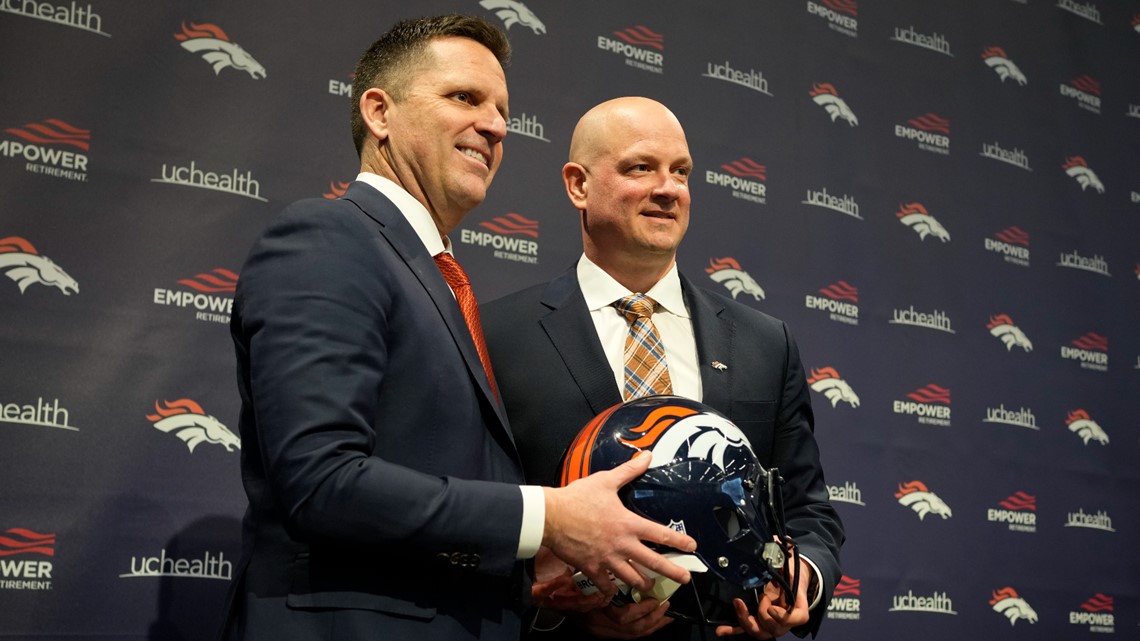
(558, 354)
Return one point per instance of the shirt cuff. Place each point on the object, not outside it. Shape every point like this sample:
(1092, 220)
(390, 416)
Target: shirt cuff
(533, 521)
(814, 599)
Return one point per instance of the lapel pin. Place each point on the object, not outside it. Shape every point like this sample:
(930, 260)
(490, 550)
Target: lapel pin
(719, 365)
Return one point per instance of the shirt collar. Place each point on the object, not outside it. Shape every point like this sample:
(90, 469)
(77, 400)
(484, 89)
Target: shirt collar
(601, 290)
(413, 210)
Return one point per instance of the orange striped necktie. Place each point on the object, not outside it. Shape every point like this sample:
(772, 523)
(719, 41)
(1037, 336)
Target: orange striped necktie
(461, 285)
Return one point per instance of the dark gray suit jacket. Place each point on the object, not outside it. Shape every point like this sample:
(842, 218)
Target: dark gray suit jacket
(554, 378)
(380, 469)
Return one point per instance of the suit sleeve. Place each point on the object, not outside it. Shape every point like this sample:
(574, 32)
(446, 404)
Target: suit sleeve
(811, 519)
(342, 455)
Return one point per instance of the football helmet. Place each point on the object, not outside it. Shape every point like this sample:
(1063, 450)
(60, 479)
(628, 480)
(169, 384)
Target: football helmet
(704, 480)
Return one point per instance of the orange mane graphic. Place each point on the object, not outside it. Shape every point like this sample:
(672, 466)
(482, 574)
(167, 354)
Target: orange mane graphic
(186, 420)
(216, 48)
(20, 261)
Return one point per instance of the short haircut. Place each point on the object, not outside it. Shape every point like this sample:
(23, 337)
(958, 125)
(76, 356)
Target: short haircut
(390, 62)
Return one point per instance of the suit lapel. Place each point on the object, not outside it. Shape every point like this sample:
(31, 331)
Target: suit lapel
(573, 334)
(399, 233)
(715, 334)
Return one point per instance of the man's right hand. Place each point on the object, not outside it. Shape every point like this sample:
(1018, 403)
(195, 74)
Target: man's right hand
(588, 527)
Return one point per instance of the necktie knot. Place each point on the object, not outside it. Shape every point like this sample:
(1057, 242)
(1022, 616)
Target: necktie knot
(452, 271)
(636, 306)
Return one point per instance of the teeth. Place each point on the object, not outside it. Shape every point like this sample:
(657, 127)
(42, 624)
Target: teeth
(474, 154)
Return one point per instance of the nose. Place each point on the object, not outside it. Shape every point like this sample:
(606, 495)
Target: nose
(492, 124)
(667, 186)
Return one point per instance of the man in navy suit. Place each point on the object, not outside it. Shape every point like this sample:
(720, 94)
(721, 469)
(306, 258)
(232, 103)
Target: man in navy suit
(384, 484)
(558, 350)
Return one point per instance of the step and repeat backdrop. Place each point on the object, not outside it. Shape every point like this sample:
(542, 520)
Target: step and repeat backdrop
(942, 199)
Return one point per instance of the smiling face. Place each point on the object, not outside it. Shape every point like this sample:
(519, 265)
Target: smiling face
(442, 141)
(629, 175)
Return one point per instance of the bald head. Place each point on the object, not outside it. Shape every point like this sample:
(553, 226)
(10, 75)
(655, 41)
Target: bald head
(595, 132)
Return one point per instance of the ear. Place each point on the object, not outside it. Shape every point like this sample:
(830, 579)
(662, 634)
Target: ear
(374, 106)
(574, 178)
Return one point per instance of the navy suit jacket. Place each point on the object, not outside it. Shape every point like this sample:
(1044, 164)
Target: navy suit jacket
(554, 378)
(380, 469)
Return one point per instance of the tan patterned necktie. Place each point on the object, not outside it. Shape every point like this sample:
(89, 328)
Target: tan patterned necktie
(646, 372)
(461, 285)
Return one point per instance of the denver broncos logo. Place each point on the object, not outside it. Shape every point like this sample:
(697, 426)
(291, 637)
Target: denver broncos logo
(727, 272)
(825, 96)
(1002, 327)
(826, 381)
(1081, 424)
(915, 216)
(673, 433)
(215, 47)
(1006, 602)
(1078, 168)
(20, 261)
(919, 498)
(188, 422)
(996, 59)
(511, 12)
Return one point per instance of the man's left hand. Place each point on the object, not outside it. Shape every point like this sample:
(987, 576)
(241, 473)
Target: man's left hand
(773, 616)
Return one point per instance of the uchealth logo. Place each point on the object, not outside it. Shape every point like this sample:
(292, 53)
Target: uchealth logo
(1099, 521)
(336, 190)
(751, 79)
(210, 565)
(512, 13)
(1002, 327)
(68, 15)
(42, 413)
(1081, 424)
(1012, 243)
(937, 319)
(930, 132)
(49, 147)
(1016, 157)
(996, 59)
(826, 96)
(185, 419)
(929, 404)
(1018, 511)
(841, 15)
(232, 182)
(1008, 603)
(1074, 260)
(22, 566)
(1078, 169)
(728, 272)
(744, 177)
(508, 236)
(215, 47)
(1090, 350)
(1086, 10)
(205, 293)
(20, 262)
(840, 300)
(1021, 417)
(1095, 614)
(931, 42)
(847, 493)
(827, 381)
(916, 216)
(845, 600)
(843, 204)
(936, 603)
(641, 47)
(919, 498)
(527, 125)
